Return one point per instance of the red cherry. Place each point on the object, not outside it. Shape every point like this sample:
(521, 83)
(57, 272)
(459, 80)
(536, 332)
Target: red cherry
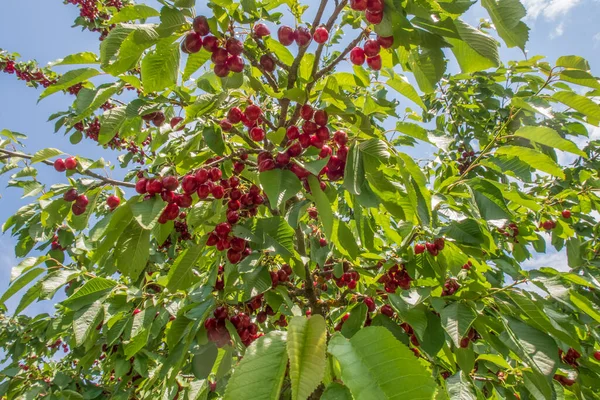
(175, 121)
(215, 174)
(171, 212)
(233, 256)
(257, 134)
(419, 248)
(309, 127)
(321, 117)
(170, 183)
(225, 125)
(219, 56)
(82, 201)
(387, 310)
(321, 34)
(234, 46)
(306, 112)
(340, 137)
(70, 195)
(238, 244)
(292, 132)
(323, 133)
(235, 64)
(210, 43)
(140, 186)
(59, 165)
(261, 30)
(302, 36)
(221, 312)
(304, 140)
(253, 112)
(183, 201)
(192, 43)
(597, 355)
(566, 214)
(372, 47)
(439, 243)
(325, 151)
(159, 119)
(218, 192)
(374, 62)
(375, 5)
(370, 303)
(71, 163)
(113, 202)
(221, 70)
(374, 17)
(386, 42)
(200, 25)
(322, 242)
(223, 229)
(267, 62)
(358, 5)
(212, 239)
(549, 225)
(286, 35)
(234, 115)
(295, 149)
(315, 141)
(357, 56)
(136, 311)
(77, 210)
(266, 165)
(282, 159)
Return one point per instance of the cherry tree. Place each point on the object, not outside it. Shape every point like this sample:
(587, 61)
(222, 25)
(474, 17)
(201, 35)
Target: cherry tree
(310, 203)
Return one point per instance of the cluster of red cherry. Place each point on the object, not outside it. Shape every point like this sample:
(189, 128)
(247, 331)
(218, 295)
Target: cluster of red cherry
(226, 58)
(80, 201)
(370, 52)
(217, 330)
(467, 157)
(433, 248)
(450, 287)
(373, 9)
(221, 237)
(27, 72)
(396, 277)
(472, 336)
(95, 20)
(301, 35)
(281, 275)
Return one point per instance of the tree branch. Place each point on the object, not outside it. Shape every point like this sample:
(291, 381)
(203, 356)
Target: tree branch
(339, 58)
(267, 75)
(92, 174)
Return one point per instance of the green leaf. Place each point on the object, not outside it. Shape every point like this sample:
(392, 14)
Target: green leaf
(482, 43)
(160, 68)
(111, 44)
(256, 282)
(110, 123)
(585, 305)
(20, 283)
(355, 321)
(133, 250)
(489, 199)
(323, 206)
(69, 79)
(194, 62)
(506, 16)
(354, 173)
(171, 21)
(459, 387)
(279, 185)
(91, 291)
(344, 239)
(45, 154)
(578, 77)
(180, 274)
(428, 66)
(30, 295)
(204, 360)
(146, 212)
(573, 62)
(548, 137)
(412, 130)
(336, 391)
(415, 316)
(456, 320)
(133, 12)
(260, 373)
(214, 139)
(377, 366)
(402, 86)
(87, 57)
(306, 66)
(280, 51)
(306, 345)
(579, 103)
(85, 320)
(533, 158)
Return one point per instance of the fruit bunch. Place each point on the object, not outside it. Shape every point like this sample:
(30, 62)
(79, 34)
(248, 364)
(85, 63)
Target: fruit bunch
(217, 330)
(80, 201)
(370, 52)
(348, 279)
(62, 165)
(94, 14)
(288, 35)
(570, 357)
(450, 287)
(28, 72)
(281, 275)
(467, 157)
(226, 59)
(433, 248)
(548, 225)
(472, 336)
(396, 277)
(373, 9)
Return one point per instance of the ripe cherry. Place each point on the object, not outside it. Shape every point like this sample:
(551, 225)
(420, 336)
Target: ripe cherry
(292, 132)
(82, 201)
(357, 56)
(200, 25)
(325, 151)
(358, 5)
(192, 43)
(261, 30)
(282, 159)
(374, 17)
(235, 64)
(419, 248)
(302, 36)
(77, 210)
(140, 186)
(189, 184)
(154, 186)
(210, 43)
(386, 42)
(295, 149)
(321, 117)
(440, 243)
(372, 48)
(219, 56)
(387, 310)
(253, 112)
(234, 115)
(597, 355)
(215, 174)
(566, 214)
(71, 195)
(71, 163)
(304, 140)
(170, 183)
(286, 35)
(309, 127)
(59, 165)
(322, 242)
(223, 229)
(267, 62)
(159, 119)
(340, 137)
(233, 256)
(315, 141)
(218, 192)
(370, 303)
(374, 62)
(321, 34)
(113, 202)
(175, 121)
(183, 201)
(375, 5)
(225, 125)
(549, 225)
(234, 46)
(257, 134)
(306, 112)
(221, 70)
(136, 311)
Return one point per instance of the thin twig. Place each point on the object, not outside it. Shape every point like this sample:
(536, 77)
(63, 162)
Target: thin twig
(92, 174)
(270, 79)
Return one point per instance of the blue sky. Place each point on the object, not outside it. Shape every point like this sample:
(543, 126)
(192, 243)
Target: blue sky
(41, 30)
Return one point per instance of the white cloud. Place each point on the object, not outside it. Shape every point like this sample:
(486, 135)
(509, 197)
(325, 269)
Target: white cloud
(558, 31)
(550, 9)
(558, 261)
